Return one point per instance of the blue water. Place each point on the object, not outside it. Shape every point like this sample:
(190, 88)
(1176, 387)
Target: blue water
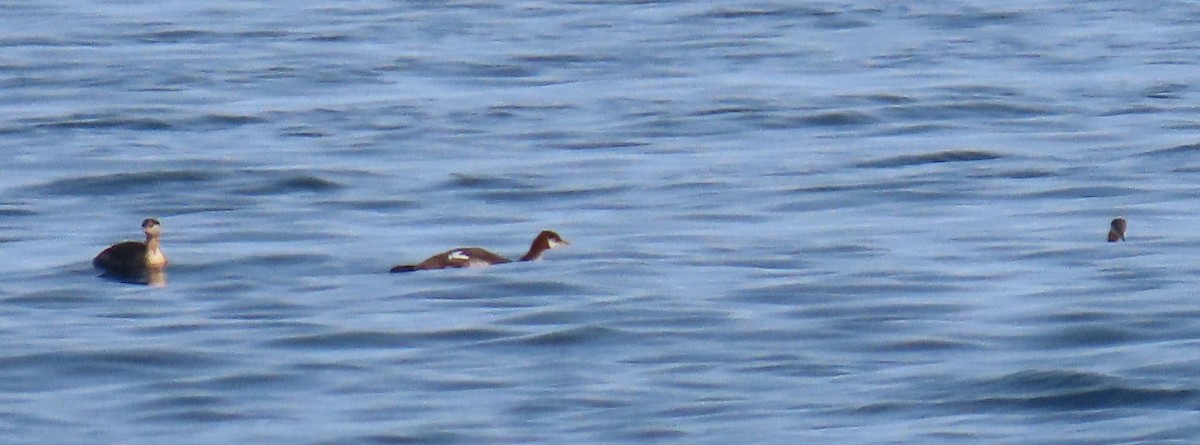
(790, 222)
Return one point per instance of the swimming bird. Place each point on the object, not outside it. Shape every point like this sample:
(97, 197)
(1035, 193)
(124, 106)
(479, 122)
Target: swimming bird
(134, 261)
(1116, 230)
(478, 257)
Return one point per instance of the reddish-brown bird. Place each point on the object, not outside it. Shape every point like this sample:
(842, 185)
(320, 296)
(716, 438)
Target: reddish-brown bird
(135, 261)
(478, 257)
(1116, 230)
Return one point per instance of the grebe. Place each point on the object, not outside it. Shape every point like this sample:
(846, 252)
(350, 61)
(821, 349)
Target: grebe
(136, 262)
(477, 257)
(1116, 230)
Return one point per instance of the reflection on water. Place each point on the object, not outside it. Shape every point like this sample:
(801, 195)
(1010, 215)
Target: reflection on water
(156, 277)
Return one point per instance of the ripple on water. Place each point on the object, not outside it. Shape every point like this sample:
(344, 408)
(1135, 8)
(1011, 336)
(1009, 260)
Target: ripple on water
(31, 372)
(574, 336)
(163, 181)
(932, 158)
(1069, 390)
(57, 298)
(292, 184)
(819, 119)
(362, 339)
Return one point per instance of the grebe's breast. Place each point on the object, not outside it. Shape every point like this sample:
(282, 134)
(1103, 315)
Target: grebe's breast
(155, 259)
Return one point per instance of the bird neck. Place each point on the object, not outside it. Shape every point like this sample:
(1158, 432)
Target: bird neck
(154, 255)
(535, 250)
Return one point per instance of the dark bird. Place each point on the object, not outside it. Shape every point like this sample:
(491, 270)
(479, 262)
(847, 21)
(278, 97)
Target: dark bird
(1116, 230)
(134, 261)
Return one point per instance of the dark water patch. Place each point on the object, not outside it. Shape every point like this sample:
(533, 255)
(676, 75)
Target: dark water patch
(822, 17)
(652, 434)
(294, 184)
(329, 38)
(880, 99)
(488, 182)
(480, 71)
(669, 319)
(463, 384)
(790, 365)
(102, 122)
(970, 110)
(290, 259)
(194, 415)
(309, 367)
(192, 408)
(547, 317)
(422, 438)
(59, 298)
(703, 409)
(556, 404)
(739, 13)
(574, 337)
(1134, 110)
(51, 42)
(100, 365)
(1017, 173)
(175, 36)
(599, 145)
(703, 357)
(11, 211)
(180, 328)
(1087, 335)
(237, 383)
(811, 204)
(540, 195)
(129, 183)
(1068, 391)
(932, 158)
(564, 60)
(174, 403)
(846, 250)
(303, 132)
(381, 205)
(971, 17)
(866, 317)
(721, 217)
(1185, 149)
(911, 130)
(779, 263)
(227, 121)
(1166, 91)
(736, 110)
(1096, 191)
(461, 335)
(347, 340)
(824, 119)
(925, 346)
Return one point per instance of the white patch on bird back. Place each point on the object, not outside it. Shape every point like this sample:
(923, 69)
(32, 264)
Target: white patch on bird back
(457, 255)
